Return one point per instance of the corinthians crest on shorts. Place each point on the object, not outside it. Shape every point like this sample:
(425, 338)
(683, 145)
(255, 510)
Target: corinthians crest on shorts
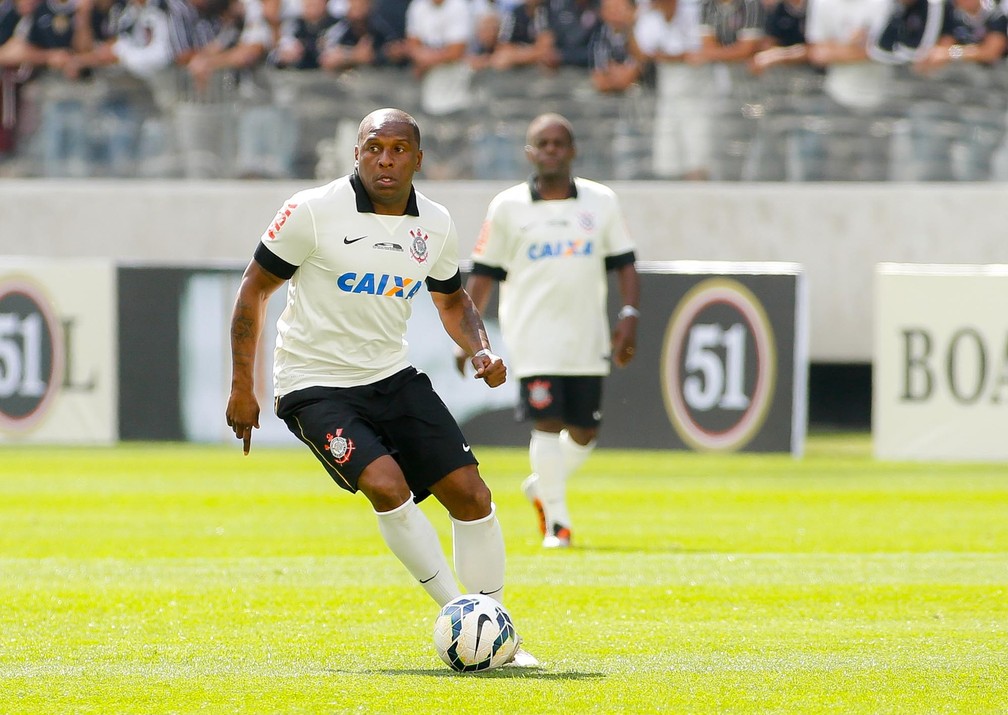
(540, 394)
(340, 447)
(418, 245)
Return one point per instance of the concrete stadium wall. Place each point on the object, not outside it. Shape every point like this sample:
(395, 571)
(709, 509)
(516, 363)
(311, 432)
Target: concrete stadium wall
(838, 232)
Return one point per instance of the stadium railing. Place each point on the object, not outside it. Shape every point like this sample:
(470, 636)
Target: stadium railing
(273, 123)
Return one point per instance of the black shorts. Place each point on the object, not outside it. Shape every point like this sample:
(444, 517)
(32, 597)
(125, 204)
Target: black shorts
(347, 428)
(575, 400)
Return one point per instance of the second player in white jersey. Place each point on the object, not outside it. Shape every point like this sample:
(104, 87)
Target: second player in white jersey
(554, 253)
(549, 244)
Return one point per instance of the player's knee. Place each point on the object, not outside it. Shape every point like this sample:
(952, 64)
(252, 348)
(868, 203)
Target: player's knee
(464, 493)
(480, 498)
(473, 495)
(385, 488)
(583, 435)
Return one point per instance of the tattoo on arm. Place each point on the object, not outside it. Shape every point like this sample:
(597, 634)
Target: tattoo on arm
(472, 325)
(242, 328)
(245, 326)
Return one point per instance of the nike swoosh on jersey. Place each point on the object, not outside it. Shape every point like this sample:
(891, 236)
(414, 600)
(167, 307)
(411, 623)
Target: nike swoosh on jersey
(466, 447)
(347, 240)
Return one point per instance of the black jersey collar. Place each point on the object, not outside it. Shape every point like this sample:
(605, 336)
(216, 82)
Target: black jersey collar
(536, 196)
(366, 206)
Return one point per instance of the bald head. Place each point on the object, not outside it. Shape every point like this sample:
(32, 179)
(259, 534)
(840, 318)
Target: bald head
(386, 157)
(381, 118)
(548, 120)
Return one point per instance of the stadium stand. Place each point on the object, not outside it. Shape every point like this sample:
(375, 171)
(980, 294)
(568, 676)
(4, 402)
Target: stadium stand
(279, 123)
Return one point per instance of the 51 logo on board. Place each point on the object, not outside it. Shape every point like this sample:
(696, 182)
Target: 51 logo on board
(718, 366)
(32, 356)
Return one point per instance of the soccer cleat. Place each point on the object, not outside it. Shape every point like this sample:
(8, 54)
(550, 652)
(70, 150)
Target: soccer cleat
(522, 658)
(531, 493)
(559, 538)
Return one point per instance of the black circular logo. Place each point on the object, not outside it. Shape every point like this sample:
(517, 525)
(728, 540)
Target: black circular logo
(31, 355)
(718, 366)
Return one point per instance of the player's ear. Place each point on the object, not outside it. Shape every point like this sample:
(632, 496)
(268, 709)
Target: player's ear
(419, 159)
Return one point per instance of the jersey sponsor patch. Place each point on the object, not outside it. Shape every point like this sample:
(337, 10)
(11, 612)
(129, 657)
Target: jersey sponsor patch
(481, 241)
(559, 249)
(280, 219)
(384, 284)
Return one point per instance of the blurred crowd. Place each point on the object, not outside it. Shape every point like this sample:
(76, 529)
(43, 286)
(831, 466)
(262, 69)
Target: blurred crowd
(799, 90)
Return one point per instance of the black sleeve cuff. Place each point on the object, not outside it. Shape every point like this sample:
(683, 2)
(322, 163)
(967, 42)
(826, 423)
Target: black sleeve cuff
(624, 259)
(481, 269)
(449, 286)
(273, 263)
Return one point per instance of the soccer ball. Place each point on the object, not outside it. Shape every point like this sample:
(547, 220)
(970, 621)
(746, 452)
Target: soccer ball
(474, 632)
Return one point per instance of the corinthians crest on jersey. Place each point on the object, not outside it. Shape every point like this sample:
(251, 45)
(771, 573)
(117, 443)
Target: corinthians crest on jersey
(418, 245)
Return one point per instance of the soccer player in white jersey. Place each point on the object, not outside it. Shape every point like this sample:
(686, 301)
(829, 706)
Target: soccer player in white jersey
(550, 242)
(356, 252)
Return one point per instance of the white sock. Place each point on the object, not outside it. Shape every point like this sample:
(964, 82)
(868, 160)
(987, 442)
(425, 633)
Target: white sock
(479, 555)
(547, 461)
(574, 454)
(412, 538)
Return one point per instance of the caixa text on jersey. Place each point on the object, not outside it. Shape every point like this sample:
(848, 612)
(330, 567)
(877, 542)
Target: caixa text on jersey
(384, 284)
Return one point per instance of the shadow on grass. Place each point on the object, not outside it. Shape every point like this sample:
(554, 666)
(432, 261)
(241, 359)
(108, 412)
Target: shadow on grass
(670, 549)
(498, 673)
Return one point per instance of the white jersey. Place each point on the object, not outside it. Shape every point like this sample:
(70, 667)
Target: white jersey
(861, 85)
(551, 259)
(356, 276)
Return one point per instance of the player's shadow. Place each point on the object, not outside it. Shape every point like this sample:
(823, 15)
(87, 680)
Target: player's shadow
(539, 673)
(498, 673)
(671, 549)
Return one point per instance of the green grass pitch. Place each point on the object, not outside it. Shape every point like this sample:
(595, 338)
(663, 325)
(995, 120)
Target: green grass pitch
(178, 579)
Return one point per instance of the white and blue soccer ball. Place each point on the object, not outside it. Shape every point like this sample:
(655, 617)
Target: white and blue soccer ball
(474, 633)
